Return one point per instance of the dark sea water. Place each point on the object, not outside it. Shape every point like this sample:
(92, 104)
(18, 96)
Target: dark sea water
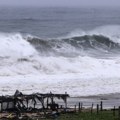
(56, 22)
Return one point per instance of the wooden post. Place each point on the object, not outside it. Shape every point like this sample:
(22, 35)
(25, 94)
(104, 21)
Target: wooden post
(97, 109)
(114, 111)
(27, 103)
(79, 107)
(52, 101)
(92, 108)
(1, 106)
(75, 108)
(34, 104)
(7, 105)
(119, 113)
(66, 101)
(43, 103)
(14, 103)
(43, 106)
(101, 106)
(47, 102)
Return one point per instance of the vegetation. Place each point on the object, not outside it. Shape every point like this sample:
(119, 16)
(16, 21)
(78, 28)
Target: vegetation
(102, 115)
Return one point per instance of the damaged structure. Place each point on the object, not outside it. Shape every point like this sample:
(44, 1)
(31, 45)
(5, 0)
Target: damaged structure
(21, 103)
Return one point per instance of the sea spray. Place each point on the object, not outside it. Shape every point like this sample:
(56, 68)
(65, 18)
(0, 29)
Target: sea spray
(14, 45)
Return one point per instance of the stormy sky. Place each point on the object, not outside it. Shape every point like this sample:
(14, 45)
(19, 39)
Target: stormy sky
(60, 3)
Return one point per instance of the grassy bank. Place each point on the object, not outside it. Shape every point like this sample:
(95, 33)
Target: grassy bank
(102, 115)
(84, 115)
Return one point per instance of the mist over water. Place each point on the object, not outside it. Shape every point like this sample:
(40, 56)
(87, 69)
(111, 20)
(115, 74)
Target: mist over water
(71, 49)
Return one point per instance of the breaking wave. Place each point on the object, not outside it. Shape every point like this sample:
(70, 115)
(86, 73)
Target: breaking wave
(14, 45)
(95, 45)
(74, 46)
(92, 54)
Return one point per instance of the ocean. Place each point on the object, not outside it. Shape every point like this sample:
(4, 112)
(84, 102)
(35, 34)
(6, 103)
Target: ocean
(73, 50)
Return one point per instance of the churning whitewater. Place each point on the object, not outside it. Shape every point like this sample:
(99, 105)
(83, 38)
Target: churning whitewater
(82, 63)
(74, 50)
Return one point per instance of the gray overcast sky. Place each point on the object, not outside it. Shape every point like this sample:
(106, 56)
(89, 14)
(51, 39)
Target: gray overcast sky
(60, 2)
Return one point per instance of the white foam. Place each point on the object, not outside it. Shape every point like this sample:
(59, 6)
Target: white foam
(14, 45)
(73, 84)
(79, 76)
(23, 69)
